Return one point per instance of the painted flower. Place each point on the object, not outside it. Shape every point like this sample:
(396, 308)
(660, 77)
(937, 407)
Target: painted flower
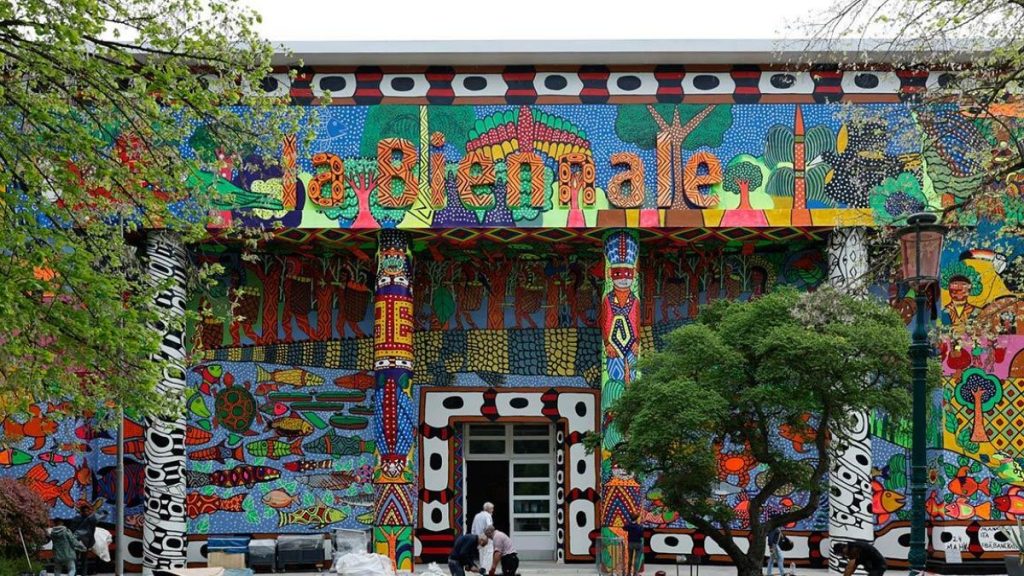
(896, 198)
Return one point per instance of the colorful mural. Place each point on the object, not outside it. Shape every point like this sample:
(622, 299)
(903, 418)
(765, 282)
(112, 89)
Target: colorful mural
(501, 246)
(658, 165)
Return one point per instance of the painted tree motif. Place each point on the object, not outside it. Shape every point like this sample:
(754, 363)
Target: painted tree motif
(402, 121)
(743, 174)
(678, 126)
(797, 162)
(980, 392)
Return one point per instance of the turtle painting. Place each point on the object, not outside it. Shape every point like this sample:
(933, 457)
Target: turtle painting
(235, 409)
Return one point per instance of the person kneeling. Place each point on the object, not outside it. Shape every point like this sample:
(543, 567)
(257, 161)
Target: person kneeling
(464, 553)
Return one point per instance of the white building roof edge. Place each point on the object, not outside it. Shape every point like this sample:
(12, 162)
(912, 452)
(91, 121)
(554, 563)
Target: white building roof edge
(615, 52)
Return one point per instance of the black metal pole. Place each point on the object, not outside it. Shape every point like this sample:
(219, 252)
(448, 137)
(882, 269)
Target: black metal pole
(119, 530)
(919, 351)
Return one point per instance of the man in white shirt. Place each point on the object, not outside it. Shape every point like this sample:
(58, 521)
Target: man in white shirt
(481, 522)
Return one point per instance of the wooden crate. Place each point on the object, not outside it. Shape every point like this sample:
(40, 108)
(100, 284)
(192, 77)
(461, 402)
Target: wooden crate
(225, 560)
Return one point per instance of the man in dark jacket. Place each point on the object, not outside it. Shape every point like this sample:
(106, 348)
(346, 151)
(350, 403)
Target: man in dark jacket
(863, 554)
(465, 553)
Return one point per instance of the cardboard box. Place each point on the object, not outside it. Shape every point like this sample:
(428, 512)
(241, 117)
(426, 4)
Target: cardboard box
(225, 560)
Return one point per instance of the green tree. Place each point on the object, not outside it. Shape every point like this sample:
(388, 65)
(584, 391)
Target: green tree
(743, 174)
(403, 121)
(852, 356)
(98, 99)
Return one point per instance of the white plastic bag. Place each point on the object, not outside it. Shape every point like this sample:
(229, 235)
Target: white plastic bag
(362, 564)
(433, 570)
(101, 546)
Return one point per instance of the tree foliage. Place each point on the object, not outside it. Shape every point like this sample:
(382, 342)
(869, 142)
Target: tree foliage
(774, 361)
(22, 508)
(100, 99)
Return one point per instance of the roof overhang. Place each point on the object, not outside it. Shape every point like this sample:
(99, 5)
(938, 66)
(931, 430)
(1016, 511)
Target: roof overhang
(619, 52)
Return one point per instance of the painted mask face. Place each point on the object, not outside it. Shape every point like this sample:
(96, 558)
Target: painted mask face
(622, 277)
(959, 289)
(392, 262)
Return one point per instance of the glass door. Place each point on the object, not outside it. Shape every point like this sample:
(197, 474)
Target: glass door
(533, 490)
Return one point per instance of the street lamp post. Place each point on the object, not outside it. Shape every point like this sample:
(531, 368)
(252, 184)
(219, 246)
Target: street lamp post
(921, 249)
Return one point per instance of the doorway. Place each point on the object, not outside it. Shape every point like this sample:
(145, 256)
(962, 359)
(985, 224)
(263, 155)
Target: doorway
(494, 490)
(512, 466)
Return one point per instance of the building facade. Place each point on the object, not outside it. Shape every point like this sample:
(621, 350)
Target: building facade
(471, 255)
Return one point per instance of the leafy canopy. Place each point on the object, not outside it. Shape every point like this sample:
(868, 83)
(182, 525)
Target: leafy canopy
(98, 98)
(736, 375)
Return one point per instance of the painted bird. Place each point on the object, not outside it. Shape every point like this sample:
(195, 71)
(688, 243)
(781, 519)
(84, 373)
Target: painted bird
(279, 498)
(1011, 503)
(38, 480)
(289, 376)
(274, 449)
(964, 485)
(884, 502)
(961, 509)
(1005, 468)
(242, 475)
(319, 516)
(14, 457)
(199, 504)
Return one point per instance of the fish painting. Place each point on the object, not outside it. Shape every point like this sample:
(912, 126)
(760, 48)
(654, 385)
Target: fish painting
(357, 381)
(242, 475)
(934, 507)
(884, 502)
(799, 436)
(961, 509)
(319, 516)
(332, 481)
(83, 475)
(38, 480)
(963, 484)
(196, 404)
(199, 504)
(274, 408)
(274, 449)
(308, 465)
(55, 458)
(210, 373)
(195, 436)
(1011, 504)
(290, 376)
(291, 427)
(37, 427)
(88, 433)
(14, 457)
(76, 447)
(279, 498)
(105, 482)
(136, 448)
(218, 453)
(335, 445)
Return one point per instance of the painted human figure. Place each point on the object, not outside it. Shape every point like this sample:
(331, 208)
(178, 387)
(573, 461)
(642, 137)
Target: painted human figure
(620, 311)
(959, 311)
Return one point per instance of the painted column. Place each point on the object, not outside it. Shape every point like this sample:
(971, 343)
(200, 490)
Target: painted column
(393, 479)
(620, 333)
(163, 532)
(849, 495)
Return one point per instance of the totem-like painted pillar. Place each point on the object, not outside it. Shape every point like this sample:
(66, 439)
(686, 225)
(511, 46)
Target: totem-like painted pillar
(849, 494)
(393, 323)
(163, 533)
(620, 333)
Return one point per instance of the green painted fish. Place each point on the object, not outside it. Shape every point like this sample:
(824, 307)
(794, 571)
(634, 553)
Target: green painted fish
(274, 449)
(318, 515)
